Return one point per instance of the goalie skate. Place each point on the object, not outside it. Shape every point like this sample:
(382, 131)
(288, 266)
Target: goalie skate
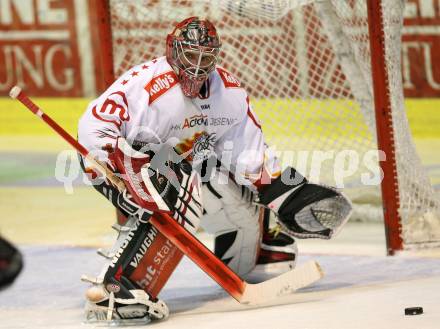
(278, 252)
(103, 307)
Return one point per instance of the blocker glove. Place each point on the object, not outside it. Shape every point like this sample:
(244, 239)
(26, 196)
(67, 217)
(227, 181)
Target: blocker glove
(172, 187)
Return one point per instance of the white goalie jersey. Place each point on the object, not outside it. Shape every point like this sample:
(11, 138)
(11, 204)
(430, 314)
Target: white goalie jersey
(146, 105)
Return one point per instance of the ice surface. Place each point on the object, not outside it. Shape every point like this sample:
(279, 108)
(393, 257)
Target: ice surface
(357, 292)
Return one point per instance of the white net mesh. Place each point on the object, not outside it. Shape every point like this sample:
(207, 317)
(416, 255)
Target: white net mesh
(306, 66)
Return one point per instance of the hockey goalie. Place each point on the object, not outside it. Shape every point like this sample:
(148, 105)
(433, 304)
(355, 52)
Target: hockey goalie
(181, 129)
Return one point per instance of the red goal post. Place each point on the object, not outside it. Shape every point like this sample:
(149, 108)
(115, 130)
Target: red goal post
(324, 76)
(384, 126)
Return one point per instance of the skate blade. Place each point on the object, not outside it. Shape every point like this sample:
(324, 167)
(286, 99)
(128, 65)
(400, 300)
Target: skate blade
(118, 322)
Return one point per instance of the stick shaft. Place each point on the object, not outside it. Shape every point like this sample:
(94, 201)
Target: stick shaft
(199, 254)
(176, 233)
(26, 101)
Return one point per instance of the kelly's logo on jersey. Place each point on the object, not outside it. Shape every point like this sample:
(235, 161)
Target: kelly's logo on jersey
(195, 120)
(228, 79)
(160, 85)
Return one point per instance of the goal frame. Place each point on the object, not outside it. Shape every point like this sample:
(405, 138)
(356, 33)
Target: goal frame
(384, 128)
(100, 17)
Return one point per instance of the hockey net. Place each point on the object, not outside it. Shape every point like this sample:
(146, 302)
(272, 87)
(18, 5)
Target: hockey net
(306, 65)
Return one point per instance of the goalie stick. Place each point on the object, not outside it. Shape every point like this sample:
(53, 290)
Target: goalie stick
(242, 291)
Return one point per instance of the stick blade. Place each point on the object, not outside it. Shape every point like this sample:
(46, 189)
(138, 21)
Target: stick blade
(15, 91)
(283, 284)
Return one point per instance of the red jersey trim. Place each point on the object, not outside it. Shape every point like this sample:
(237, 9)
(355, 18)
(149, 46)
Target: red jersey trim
(251, 115)
(228, 79)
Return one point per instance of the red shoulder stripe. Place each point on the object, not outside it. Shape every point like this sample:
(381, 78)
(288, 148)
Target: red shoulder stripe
(251, 115)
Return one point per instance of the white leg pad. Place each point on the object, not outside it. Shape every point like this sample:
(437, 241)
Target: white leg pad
(233, 212)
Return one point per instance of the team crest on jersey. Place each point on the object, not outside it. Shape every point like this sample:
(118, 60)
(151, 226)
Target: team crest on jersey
(114, 109)
(160, 85)
(228, 79)
(198, 147)
(203, 146)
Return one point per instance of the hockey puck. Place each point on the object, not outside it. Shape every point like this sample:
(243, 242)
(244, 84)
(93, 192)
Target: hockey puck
(413, 310)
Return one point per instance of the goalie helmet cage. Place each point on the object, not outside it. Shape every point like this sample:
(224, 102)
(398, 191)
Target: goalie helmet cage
(311, 76)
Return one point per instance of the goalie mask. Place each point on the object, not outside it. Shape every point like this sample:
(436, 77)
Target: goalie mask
(192, 51)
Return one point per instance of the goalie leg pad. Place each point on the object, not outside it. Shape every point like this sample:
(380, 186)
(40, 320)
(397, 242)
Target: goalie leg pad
(234, 221)
(278, 247)
(115, 295)
(248, 247)
(143, 259)
(278, 251)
